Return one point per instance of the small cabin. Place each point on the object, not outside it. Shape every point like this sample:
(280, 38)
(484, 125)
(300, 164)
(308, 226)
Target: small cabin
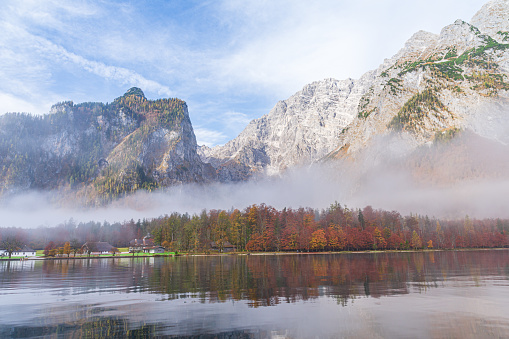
(25, 251)
(154, 249)
(97, 247)
(227, 247)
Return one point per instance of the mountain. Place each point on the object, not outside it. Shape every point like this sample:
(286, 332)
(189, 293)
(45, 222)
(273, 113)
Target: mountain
(299, 130)
(436, 88)
(101, 150)
(433, 88)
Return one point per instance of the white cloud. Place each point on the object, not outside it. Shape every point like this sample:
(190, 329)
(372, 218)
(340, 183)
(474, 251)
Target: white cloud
(226, 49)
(280, 46)
(222, 128)
(10, 103)
(235, 121)
(208, 137)
(29, 64)
(122, 75)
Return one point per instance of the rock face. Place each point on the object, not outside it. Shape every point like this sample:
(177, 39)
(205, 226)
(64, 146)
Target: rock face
(437, 85)
(434, 86)
(103, 150)
(299, 130)
(493, 20)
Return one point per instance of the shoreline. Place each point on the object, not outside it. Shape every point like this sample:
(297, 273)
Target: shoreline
(255, 254)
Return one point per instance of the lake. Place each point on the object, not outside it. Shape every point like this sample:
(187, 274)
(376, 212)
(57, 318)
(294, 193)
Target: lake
(447, 294)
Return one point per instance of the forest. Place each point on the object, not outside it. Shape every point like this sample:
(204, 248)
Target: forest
(262, 228)
(90, 144)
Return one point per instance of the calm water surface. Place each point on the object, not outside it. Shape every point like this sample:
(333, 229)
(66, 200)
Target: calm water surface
(360, 295)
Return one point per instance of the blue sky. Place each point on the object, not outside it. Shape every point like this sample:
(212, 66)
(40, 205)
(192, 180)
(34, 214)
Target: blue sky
(230, 60)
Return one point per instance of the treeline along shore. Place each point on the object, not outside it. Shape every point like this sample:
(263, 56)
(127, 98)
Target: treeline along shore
(262, 228)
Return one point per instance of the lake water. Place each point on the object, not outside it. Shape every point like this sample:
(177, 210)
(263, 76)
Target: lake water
(359, 295)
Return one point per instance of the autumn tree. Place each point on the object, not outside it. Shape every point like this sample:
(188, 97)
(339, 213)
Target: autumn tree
(255, 243)
(439, 235)
(269, 238)
(50, 249)
(379, 240)
(67, 249)
(219, 230)
(167, 245)
(335, 238)
(75, 246)
(395, 242)
(318, 240)
(235, 229)
(416, 240)
(290, 239)
(11, 244)
(430, 244)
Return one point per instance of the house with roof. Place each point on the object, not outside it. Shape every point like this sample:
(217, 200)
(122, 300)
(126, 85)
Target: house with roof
(154, 249)
(97, 247)
(25, 251)
(139, 245)
(226, 247)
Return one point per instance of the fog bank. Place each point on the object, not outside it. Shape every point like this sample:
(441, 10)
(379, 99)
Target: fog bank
(468, 175)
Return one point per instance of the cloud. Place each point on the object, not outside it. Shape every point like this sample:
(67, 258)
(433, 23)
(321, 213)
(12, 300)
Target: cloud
(208, 137)
(280, 46)
(471, 177)
(235, 120)
(37, 65)
(316, 187)
(228, 49)
(122, 75)
(10, 103)
(50, 14)
(28, 66)
(229, 123)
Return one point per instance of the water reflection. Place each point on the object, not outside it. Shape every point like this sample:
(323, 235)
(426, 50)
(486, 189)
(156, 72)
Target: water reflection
(269, 279)
(225, 295)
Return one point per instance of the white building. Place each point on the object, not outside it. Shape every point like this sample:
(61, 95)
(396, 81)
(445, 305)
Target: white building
(24, 252)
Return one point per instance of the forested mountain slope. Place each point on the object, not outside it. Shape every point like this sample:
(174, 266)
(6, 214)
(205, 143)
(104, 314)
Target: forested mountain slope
(101, 151)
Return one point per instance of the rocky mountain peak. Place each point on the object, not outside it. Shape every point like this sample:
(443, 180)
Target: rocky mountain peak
(415, 46)
(135, 91)
(493, 19)
(62, 107)
(459, 36)
(298, 130)
(101, 151)
(434, 86)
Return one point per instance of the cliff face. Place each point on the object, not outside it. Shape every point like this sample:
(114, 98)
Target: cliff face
(101, 150)
(433, 87)
(438, 84)
(299, 130)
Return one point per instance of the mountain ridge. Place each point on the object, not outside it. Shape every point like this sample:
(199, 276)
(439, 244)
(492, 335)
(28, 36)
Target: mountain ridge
(432, 89)
(101, 151)
(435, 84)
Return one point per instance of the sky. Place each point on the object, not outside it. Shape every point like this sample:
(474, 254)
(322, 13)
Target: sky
(230, 60)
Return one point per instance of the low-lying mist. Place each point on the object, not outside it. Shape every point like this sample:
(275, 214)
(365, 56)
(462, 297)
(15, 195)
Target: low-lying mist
(466, 176)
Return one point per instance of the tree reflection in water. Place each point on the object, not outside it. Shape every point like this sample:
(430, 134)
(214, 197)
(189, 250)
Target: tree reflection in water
(130, 293)
(267, 280)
